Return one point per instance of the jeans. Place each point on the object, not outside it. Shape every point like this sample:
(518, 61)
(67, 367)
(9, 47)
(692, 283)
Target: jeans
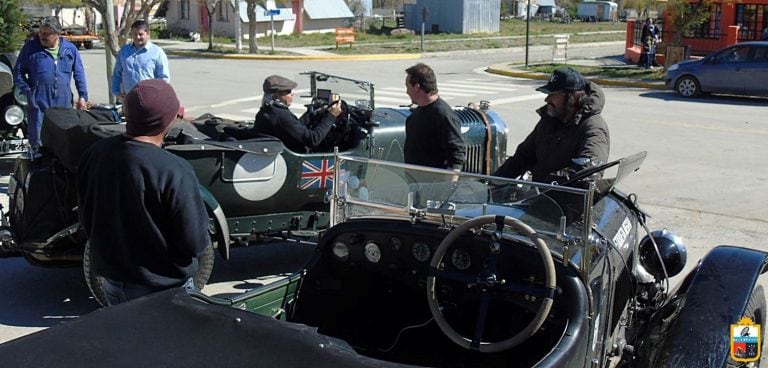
(120, 292)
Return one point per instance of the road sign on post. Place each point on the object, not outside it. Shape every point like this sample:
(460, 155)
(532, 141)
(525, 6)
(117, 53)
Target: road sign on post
(271, 14)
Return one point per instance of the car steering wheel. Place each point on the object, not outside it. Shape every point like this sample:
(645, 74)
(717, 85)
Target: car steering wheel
(488, 281)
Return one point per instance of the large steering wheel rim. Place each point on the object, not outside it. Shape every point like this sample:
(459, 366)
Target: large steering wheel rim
(544, 307)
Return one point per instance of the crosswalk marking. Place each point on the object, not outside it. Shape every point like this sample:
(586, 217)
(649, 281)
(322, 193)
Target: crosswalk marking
(453, 91)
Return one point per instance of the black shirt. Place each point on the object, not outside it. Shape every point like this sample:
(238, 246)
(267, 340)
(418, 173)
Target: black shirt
(433, 137)
(142, 210)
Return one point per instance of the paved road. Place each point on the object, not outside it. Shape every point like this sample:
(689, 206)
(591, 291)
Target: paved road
(704, 177)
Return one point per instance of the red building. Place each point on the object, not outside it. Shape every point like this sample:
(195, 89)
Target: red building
(730, 22)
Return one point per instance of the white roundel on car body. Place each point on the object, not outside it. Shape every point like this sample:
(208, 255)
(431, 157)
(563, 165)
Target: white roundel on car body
(258, 177)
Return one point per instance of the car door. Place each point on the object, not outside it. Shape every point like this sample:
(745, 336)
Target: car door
(754, 74)
(723, 74)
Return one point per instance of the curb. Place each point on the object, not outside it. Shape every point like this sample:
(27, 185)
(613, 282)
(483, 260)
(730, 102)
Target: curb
(601, 81)
(213, 55)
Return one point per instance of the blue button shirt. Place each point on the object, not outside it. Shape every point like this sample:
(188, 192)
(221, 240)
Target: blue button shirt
(134, 65)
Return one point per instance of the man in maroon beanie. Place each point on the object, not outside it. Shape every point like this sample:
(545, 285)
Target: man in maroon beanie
(139, 204)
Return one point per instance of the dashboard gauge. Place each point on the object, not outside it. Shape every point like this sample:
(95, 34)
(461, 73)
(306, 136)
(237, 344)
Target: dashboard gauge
(461, 259)
(341, 250)
(421, 251)
(372, 252)
(396, 243)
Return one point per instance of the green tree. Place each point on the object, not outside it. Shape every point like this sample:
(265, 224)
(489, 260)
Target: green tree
(11, 18)
(686, 16)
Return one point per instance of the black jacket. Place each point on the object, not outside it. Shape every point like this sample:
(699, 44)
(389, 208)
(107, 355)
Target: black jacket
(142, 210)
(552, 145)
(433, 137)
(276, 120)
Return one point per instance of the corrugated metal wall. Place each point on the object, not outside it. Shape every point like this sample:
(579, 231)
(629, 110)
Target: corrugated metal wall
(455, 16)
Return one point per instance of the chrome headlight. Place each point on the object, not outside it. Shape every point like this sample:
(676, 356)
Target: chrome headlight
(20, 98)
(14, 115)
(673, 67)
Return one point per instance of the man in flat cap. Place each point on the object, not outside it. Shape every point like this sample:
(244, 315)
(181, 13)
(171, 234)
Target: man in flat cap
(139, 204)
(570, 136)
(275, 119)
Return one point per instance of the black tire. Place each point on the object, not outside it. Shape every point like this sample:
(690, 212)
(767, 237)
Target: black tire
(96, 283)
(756, 311)
(688, 86)
(205, 267)
(88, 45)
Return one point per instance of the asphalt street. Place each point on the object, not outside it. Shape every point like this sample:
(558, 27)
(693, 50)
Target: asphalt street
(704, 178)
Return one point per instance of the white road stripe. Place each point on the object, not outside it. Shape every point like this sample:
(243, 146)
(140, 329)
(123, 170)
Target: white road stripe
(501, 101)
(475, 86)
(234, 117)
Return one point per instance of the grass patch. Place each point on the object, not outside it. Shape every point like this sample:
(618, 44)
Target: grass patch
(591, 72)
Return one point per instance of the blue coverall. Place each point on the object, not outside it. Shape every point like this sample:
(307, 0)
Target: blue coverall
(46, 82)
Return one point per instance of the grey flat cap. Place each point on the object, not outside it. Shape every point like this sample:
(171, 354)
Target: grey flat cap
(276, 83)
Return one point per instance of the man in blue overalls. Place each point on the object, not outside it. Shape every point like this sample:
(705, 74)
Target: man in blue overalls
(43, 72)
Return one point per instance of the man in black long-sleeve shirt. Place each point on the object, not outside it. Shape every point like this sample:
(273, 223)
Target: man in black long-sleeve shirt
(139, 204)
(432, 132)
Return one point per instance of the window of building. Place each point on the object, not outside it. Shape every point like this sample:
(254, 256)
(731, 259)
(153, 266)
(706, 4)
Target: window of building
(184, 9)
(223, 11)
(751, 19)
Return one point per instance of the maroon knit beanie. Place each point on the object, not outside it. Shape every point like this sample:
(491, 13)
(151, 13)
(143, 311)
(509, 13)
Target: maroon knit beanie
(150, 107)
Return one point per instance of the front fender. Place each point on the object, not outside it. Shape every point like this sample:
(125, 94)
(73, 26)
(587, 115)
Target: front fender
(692, 329)
(219, 220)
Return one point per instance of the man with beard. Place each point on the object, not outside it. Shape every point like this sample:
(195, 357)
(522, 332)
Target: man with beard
(570, 136)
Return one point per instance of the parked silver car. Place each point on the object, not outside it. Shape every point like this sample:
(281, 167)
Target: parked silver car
(740, 69)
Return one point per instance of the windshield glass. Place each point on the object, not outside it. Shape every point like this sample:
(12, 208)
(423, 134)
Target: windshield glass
(355, 92)
(381, 188)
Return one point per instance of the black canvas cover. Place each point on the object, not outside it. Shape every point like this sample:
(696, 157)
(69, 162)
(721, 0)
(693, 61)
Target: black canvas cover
(67, 133)
(45, 201)
(171, 329)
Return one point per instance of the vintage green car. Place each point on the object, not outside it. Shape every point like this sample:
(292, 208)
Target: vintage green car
(429, 268)
(252, 187)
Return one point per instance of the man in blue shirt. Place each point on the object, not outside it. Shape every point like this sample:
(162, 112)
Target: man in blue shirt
(138, 61)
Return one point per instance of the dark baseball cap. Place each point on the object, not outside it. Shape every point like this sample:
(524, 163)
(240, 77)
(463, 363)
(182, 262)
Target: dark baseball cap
(276, 83)
(564, 78)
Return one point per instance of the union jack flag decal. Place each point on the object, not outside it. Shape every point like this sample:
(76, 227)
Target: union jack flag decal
(316, 174)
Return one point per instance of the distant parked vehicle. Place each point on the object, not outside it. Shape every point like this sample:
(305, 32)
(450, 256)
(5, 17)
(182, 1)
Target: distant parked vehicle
(740, 69)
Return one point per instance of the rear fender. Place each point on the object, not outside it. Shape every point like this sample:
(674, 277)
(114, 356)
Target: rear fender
(219, 221)
(692, 329)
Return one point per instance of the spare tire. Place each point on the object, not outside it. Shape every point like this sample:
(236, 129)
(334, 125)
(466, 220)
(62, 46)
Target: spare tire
(96, 283)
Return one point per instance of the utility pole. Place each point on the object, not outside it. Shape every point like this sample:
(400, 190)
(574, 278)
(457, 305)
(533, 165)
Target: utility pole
(238, 28)
(527, 29)
(109, 29)
(424, 14)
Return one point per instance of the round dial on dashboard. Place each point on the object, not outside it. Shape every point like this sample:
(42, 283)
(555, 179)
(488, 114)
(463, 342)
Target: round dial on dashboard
(421, 251)
(372, 252)
(341, 250)
(461, 259)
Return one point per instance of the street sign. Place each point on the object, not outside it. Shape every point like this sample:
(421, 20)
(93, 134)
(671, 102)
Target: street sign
(271, 12)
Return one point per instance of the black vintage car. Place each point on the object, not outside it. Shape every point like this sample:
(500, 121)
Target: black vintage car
(13, 115)
(252, 186)
(427, 268)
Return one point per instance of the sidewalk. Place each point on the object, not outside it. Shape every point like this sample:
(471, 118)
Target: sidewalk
(196, 49)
